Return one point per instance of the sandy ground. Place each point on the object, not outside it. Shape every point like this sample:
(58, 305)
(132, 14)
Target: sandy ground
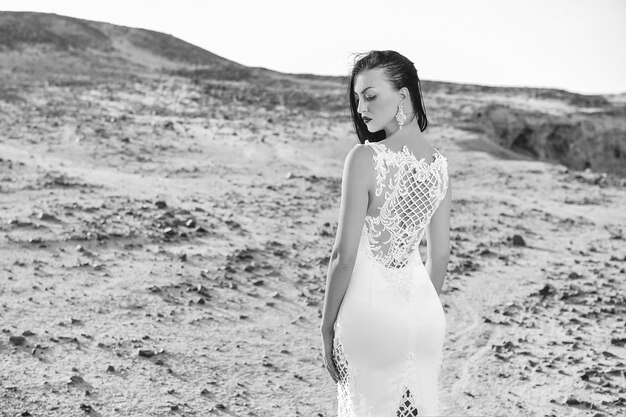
(174, 264)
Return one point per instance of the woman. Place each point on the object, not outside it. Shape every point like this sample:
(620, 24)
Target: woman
(383, 324)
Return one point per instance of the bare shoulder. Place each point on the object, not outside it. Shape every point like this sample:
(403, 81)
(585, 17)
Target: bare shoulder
(429, 149)
(360, 157)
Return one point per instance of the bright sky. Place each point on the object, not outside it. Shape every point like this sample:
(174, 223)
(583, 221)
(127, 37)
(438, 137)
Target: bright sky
(577, 45)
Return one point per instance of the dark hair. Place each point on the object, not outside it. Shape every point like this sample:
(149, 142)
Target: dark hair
(401, 73)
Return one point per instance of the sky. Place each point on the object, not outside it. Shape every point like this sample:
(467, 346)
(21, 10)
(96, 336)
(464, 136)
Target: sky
(576, 45)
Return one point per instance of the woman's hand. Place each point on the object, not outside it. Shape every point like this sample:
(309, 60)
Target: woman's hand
(328, 336)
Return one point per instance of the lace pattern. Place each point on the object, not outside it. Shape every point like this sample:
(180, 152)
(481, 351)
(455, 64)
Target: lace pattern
(348, 403)
(408, 405)
(413, 189)
(353, 405)
(398, 280)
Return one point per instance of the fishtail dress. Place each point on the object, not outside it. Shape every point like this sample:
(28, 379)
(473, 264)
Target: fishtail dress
(390, 327)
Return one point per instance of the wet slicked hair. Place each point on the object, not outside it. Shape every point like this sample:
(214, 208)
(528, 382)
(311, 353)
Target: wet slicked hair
(401, 72)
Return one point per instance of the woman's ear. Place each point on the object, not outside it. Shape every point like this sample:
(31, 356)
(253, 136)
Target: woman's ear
(404, 94)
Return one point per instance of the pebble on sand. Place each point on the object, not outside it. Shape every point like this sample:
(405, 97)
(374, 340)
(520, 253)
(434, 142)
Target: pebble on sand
(146, 353)
(518, 241)
(17, 340)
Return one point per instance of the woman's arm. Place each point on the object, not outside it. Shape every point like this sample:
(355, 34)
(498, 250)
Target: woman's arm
(352, 210)
(438, 238)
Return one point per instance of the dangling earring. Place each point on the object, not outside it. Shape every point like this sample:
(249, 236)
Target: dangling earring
(400, 117)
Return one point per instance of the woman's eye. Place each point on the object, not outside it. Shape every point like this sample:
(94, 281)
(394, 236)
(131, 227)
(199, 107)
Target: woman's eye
(370, 98)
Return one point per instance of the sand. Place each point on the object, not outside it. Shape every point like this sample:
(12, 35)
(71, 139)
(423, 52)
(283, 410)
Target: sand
(164, 245)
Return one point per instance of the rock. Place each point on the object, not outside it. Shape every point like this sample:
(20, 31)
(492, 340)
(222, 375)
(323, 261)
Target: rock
(621, 342)
(110, 368)
(547, 290)
(190, 223)
(575, 401)
(518, 241)
(232, 224)
(47, 217)
(146, 353)
(76, 380)
(202, 290)
(17, 340)
(28, 333)
(548, 136)
(618, 402)
(160, 204)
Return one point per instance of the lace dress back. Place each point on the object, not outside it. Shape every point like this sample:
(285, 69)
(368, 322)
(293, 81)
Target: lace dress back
(408, 191)
(389, 332)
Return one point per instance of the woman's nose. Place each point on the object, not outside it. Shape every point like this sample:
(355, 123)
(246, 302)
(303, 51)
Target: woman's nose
(361, 107)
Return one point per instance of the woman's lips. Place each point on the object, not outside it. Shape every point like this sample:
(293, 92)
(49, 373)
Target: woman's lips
(366, 119)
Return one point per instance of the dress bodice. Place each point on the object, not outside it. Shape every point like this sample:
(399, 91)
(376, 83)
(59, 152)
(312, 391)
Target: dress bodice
(408, 192)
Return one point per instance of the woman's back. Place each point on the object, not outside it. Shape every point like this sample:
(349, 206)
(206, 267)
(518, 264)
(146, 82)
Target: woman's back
(408, 191)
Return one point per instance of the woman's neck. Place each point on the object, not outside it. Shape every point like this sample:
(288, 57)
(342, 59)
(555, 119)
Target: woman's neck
(402, 136)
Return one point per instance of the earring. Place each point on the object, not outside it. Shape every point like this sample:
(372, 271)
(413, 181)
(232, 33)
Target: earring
(400, 117)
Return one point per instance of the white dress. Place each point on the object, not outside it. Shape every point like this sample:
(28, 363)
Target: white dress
(390, 327)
